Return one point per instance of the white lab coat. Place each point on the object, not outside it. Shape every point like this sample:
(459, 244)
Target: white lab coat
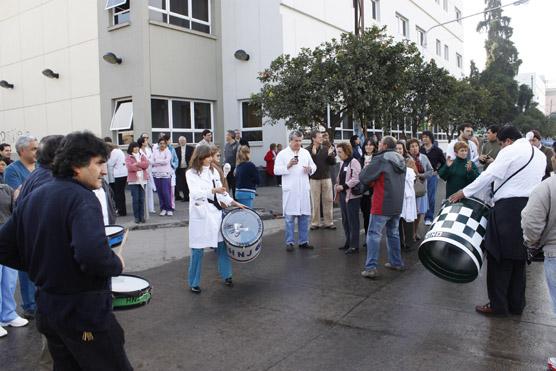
(116, 163)
(296, 190)
(204, 218)
(409, 209)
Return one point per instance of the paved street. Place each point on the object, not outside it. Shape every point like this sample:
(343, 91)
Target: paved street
(311, 310)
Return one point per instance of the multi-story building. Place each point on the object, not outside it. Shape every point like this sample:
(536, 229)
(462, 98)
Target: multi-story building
(537, 84)
(550, 98)
(179, 66)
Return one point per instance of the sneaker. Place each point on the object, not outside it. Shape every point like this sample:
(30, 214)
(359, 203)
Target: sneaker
(196, 290)
(170, 213)
(306, 246)
(228, 282)
(428, 222)
(331, 226)
(552, 364)
(351, 251)
(289, 247)
(3, 332)
(313, 227)
(371, 273)
(16, 322)
(162, 213)
(400, 268)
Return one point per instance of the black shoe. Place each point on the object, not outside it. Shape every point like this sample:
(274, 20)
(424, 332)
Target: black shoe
(185, 200)
(289, 248)
(352, 251)
(196, 290)
(228, 282)
(345, 247)
(29, 314)
(313, 227)
(137, 221)
(306, 246)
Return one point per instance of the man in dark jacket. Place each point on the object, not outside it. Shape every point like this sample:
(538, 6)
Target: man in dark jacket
(386, 175)
(57, 235)
(184, 153)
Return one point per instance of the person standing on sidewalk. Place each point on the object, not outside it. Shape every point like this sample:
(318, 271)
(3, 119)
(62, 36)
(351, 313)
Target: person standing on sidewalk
(536, 141)
(321, 183)
(517, 170)
(538, 221)
(162, 174)
(386, 174)
(295, 165)
(247, 177)
(465, 133)
(16, 173)
(147, 150)
(230, 154)
(137, 178)
(346, 181)
(437, 159)
(116, 167)
(184, 153)
(490, 149)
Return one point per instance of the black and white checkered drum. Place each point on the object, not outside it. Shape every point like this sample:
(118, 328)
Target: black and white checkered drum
(452, 248)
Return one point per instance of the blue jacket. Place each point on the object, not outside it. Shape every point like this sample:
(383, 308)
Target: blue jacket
(247, 177)
(15, 174)
(57, 235)
(40, 176)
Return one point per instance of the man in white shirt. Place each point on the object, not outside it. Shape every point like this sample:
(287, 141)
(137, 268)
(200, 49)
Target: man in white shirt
(465, 131)
(515, 172)
(295, 165)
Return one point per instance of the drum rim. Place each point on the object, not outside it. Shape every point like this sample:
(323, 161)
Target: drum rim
(129, 293)
(259, 235)
(114, 225)
(478, 200)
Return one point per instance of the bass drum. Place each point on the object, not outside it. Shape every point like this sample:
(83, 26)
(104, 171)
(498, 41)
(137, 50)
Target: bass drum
(242, 230)
(452, 247)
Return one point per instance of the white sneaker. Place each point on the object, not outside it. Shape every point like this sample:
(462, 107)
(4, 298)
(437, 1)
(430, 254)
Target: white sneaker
(17, 322)
(428, 222)
(170, 213)
(3, 332)
(162, 213)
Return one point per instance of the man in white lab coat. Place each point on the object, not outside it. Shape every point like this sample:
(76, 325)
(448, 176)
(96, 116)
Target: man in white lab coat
(295, 165)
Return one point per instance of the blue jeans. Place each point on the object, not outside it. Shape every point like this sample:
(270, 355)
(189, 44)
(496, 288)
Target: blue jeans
(196, 264)
(550, 272)
(246, 198)
(374, 236)
(27, 289)
(138, 201)
(302, 227)
(8, 281)
(432, 182)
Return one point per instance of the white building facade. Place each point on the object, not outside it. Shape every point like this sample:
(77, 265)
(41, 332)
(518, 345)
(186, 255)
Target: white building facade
(180, 72)
(537, 84)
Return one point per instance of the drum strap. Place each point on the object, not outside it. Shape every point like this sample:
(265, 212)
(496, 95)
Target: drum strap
(514, 174)
(215, 200)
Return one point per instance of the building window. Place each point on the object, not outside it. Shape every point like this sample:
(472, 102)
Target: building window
(446, 52)
(458, 14)
(445, 5)
(180, 117)
(438, 48)
(251, 123)
(421, 36)
(459, 60)
(375, 4)
(403, 26)
(344, 129)
(119, 10)
(192, 14)
(122, 121)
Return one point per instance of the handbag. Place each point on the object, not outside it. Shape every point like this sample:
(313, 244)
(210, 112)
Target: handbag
(359, 188)
(420, 189)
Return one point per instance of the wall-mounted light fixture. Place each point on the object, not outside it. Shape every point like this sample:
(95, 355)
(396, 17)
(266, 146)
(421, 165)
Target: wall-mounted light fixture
(241, 55)
(50, 74)
(6, 84)
(112, 58)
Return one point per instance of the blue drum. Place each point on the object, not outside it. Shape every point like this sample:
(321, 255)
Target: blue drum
(242, 230)
(452, 247)
(115, 235)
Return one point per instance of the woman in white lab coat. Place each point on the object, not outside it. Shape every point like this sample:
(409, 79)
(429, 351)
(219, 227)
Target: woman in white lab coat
(207, 197)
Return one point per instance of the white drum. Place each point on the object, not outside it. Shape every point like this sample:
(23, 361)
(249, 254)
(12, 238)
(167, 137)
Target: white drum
(130, 291)
(242, 230)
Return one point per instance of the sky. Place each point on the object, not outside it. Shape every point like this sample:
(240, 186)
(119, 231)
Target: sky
(534, 35)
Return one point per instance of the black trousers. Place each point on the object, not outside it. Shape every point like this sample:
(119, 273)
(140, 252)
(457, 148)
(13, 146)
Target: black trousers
(70, 351)
(181, 184)
(350, 220)
(366, 211)
(506, 285)
(118, 187)
(232, 182)
(405, 230)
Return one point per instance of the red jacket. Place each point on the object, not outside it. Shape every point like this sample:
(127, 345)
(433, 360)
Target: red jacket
(133, 167)
(269, 158)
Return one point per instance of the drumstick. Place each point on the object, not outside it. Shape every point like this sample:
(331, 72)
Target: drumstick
(119, 249)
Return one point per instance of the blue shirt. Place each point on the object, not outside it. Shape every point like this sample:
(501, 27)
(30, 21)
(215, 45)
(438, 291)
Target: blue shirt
(15, 174)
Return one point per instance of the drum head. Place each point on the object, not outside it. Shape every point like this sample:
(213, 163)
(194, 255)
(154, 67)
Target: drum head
(242, 227)
(112, 230)
(129, 284)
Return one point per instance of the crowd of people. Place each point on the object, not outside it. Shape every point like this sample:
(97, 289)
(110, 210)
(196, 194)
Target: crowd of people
(390, 184)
